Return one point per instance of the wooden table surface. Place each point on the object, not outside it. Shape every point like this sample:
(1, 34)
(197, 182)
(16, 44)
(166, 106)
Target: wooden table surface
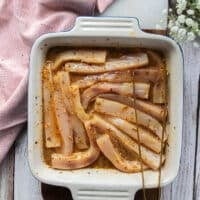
(17, 183)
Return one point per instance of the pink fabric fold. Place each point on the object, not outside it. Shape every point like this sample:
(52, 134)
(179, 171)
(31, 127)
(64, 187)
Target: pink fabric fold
(21, 22)
(103, 4)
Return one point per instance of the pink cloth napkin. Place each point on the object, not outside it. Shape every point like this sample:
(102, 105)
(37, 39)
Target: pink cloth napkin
(21, 22)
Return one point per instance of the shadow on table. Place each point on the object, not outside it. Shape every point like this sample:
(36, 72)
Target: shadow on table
(50, 192)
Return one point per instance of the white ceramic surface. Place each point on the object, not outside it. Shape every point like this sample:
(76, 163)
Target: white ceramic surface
(104, 184)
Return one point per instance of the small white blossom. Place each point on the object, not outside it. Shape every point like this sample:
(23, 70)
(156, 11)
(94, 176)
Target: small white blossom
(174, 29)
(177, 23)
(198, 4)
(184, 24)
(181, 6)
(189, 22)
(179, 11)
(181, 33)
(191, 36)
(170, 24)
(196, 44)
(170, 10)
(195, 26)
(190, 12)
(181, 19)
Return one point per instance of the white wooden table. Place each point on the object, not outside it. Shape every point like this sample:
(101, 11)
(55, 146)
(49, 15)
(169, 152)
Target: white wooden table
(17, 183)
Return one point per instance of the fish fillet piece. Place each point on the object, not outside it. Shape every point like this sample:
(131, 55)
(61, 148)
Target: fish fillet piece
(82, 55)
(80, 136)
(107, 148)
(150, 74)
(146, 138)
(78, 108)
(114, 77)
(63, 121)
(64, 83)
(160, 86)
(125, 89)
(135, 61)
(128, 113)
(148, 157)
(155, 59)
(156, 76)
(157, 111)
(52, 137)
(159, 90)
(80, 159)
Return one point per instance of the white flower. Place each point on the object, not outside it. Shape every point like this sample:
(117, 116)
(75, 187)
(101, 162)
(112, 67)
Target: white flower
(195, 26)
(191, 36)
(174, 29)
(189, 22)
(170, 24)
(177, 23)
(190, 12)
(198, 4)
(181, 19)
(196, 44)
(179, 11)
(181, 6)
(181, 33)
(184, 24)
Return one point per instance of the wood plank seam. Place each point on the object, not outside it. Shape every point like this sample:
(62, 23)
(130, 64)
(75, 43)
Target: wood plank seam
(197, 137)
(6, 177)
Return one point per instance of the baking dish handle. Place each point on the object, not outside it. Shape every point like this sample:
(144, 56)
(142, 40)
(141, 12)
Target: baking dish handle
(103, 194)
(107, 26)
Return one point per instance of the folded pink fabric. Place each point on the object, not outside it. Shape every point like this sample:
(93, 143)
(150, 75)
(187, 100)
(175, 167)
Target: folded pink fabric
(21, 22)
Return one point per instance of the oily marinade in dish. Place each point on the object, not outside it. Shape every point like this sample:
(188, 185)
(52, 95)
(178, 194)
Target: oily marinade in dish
(104, 108)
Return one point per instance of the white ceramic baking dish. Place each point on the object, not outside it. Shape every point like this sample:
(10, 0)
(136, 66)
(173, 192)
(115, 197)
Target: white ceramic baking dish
(104, 184)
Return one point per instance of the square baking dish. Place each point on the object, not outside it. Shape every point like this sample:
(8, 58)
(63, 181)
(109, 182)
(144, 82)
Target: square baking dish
(105, 184)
